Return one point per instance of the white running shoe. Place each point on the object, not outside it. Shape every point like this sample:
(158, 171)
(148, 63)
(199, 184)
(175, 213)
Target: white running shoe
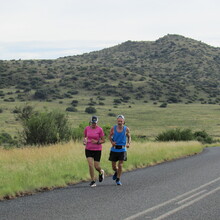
(92, 184)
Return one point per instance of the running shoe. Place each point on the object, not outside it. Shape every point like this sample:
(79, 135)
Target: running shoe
(92, 184)
(118, 183)
(114, 177)
(101, 176)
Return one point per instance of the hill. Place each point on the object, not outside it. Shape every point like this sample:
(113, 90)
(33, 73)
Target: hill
(171, 69)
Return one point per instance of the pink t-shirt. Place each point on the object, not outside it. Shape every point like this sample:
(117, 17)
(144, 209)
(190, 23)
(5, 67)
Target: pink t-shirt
(95, 134)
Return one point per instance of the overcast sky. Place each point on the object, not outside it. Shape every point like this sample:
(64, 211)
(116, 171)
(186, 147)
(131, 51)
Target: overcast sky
(48, 29)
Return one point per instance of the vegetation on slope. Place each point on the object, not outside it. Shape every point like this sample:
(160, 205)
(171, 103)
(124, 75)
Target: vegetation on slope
(171, 69)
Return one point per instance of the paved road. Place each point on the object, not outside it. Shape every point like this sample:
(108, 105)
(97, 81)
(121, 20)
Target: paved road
(187, 188)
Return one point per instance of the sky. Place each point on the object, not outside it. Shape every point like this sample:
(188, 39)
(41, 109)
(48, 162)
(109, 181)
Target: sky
(49, 29)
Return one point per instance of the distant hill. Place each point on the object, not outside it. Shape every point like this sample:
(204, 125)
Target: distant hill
(171, 69)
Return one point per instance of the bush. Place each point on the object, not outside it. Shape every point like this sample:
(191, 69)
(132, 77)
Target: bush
(46, 128)
(15, 111)
(6, 138)
(1, 110)
(203, 137)
(117, 101)
(185, 135)
(111, 114)
(41, 94)
(9, 100)
(74, 103)
(106, 129)
(74, 92)
(90, 110)
(176, 135)
(24, 113)
(101, 98)
(71, 109)
(163, 105)
(78, 133)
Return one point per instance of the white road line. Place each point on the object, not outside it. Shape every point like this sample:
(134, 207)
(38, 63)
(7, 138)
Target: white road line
(190, 197)
(186, 205)
(169, 201)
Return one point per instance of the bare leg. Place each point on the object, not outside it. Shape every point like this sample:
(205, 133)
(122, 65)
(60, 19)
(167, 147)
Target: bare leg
(120, 165)
(91, 167)
(97, 166)
(114, 166)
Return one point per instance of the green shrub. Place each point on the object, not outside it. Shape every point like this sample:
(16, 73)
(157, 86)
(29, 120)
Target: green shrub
(41, 94)
(111, 114)
(71, 109)
(203, 137)
(24, 113)
(74, 92)
(185, 135)
(101, 98)
(106, 129)
(46, 128)
(74, 103)
(176, 135)
(117, 101)
(90, 110)
(163, 105)
(6, 138)
(78, 133)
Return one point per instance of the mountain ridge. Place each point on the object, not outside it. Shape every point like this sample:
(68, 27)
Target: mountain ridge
(171, 69)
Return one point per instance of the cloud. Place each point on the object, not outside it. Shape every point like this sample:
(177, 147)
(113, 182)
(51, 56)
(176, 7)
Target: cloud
(90, 23)
(49, 49)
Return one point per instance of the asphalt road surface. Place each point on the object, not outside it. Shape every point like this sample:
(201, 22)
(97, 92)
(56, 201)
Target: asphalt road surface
(184, 189)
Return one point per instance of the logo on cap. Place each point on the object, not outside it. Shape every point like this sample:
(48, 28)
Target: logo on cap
(94, 119)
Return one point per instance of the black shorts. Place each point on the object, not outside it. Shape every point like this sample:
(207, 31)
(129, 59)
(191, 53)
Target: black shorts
(96, 154)
(116, 156)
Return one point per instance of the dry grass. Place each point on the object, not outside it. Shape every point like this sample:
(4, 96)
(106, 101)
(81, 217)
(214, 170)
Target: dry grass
(30, 169)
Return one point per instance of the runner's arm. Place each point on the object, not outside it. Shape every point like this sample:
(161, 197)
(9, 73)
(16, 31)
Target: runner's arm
(101, 140)
(128, 134)
(111, 135)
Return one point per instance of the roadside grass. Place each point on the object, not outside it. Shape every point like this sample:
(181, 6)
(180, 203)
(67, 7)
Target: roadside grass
(32, 169)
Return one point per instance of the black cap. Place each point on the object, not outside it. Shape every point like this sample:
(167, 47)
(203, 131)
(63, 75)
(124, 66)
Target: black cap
(94, 119)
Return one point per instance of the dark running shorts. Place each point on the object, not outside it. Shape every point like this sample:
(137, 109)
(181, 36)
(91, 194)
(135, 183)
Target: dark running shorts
(116, 156)
(96, 154)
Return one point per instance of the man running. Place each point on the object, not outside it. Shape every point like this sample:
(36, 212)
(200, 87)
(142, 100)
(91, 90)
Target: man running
(120, 139)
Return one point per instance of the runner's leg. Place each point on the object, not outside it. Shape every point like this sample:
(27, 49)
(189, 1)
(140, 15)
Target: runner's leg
(114, 166)
(120, 165)
(97, 166)
(91, 167)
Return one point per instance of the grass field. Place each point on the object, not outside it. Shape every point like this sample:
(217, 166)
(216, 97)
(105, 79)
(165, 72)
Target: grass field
(142, 118)
(29, 170)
